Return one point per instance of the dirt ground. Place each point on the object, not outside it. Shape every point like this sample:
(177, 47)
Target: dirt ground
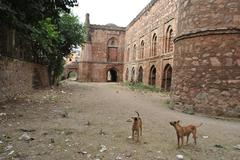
(90, 121)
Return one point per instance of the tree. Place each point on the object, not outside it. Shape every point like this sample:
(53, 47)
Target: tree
(53, 43)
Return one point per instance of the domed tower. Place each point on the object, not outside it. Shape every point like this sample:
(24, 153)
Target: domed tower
(206, 74)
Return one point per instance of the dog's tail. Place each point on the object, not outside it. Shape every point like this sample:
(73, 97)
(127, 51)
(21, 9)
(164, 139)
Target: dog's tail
(137, 113)
(199, 125)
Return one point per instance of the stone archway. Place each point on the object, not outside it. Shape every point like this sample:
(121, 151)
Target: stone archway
(152, 76)
(140, 75)
(72, 75)
(112, 75)
(167, 78)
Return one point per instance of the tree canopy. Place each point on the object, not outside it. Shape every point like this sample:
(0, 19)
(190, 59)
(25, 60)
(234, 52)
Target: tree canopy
(48, 26)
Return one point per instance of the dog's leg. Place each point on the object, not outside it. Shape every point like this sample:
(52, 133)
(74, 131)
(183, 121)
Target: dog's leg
(138, 135)
(141, 129)
(187, 138)
(182, 138)
(194, 132)
(133, 134)
(178, 138)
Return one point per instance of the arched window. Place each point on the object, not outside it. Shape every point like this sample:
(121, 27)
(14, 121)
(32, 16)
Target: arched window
(112, 50)
(169, 40)
(154, 45)
(152, 76)
(140, 75)
(134, 52)
(141, 55)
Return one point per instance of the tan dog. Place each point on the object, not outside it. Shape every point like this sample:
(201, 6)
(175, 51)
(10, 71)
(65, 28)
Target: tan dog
(137, 127)
(185, 131)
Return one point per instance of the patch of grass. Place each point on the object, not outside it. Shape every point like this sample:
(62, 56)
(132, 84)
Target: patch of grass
(169, 104)
(141, 86)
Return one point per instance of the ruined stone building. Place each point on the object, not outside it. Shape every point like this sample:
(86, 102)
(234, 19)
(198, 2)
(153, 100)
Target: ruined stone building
(188, 47)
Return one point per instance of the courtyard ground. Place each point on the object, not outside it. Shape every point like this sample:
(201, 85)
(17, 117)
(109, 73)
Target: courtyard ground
(91, 121)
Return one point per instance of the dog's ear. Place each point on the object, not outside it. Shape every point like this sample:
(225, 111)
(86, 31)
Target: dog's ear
(178, 121)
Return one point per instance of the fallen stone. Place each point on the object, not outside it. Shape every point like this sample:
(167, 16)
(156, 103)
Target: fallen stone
(103, 148)
(179, 157)
(11, 153)
(26, 137)
(237, 147)
(118, 158)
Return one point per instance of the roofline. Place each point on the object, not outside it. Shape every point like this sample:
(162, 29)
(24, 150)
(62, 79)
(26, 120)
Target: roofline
(107, 27)
(144, 10)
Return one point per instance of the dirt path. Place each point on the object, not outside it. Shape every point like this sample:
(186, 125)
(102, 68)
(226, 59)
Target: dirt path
(84, 118)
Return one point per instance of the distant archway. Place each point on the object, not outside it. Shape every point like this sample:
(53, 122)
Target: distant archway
(140, 75)
(72, 75)
(152, 76)
(112, 75)
(167, 78)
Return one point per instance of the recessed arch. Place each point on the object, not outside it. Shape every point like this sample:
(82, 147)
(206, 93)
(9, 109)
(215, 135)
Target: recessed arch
(167, 78)
(169, 39)
(112, 75)
(126, 74)
(152, 76)
(112, 49)
(134, 52)
(141, 55)
(154, 45)
(140, 74)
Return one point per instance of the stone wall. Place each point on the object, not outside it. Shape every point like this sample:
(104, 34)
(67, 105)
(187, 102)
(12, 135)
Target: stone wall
(103, 51)
(206, 76)
(19, 77)
(153, 20)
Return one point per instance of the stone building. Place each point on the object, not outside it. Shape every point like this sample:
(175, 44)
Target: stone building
(102, 56)
(188, 47)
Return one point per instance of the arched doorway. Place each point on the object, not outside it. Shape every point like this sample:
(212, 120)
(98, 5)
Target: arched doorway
(152, 76)
(140, 75)
(112, 75)
(126, 75)
(133, 75)
(72, 75)
(167, 78)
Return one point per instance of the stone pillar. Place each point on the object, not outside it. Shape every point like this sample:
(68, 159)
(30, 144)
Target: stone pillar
(206, 73)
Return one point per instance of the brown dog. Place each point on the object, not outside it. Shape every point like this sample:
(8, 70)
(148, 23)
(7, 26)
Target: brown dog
(185, 131)
(137, 126)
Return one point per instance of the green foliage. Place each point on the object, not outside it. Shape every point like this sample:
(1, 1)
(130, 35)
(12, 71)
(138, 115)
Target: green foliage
(71, 31)
(51, 38)
(46, 37)
(141, 86)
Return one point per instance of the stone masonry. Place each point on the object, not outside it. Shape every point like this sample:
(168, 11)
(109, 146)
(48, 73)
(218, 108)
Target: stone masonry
(102, 54)
(188, 47)
(207, 57)
(19, 77)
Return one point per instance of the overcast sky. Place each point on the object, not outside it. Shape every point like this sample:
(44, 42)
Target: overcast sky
(119, 12)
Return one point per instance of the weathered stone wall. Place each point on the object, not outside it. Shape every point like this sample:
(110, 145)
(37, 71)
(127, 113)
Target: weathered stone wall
(154, 19)
(19, 77)
(206, 75)
(99, 55)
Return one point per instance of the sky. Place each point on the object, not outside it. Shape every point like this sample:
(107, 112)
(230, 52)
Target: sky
(119, 12)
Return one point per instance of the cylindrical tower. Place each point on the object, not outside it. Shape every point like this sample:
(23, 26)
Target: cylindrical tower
(206, 74)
